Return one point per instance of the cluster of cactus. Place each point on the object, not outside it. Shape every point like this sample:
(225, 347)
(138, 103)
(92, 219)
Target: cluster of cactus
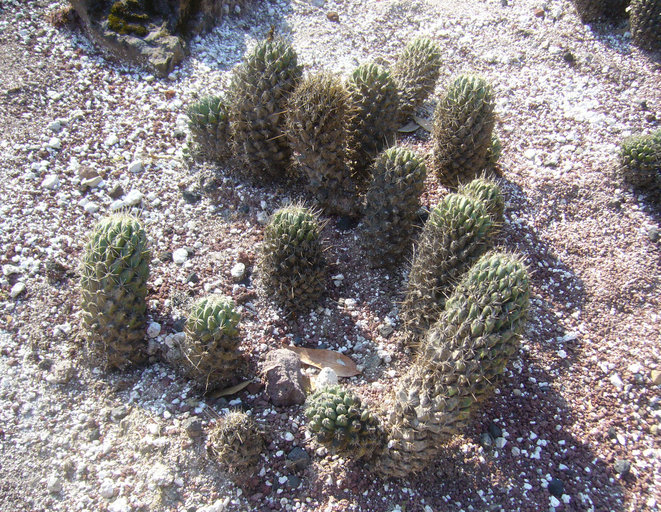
(458, 231)
(236, 443)
(594, 10)
(463, 126)
(456, 369)
(391, 205)
(292, 263)
(208, 121)
(640, 158)
(645, 17)
(209, 351)
(114, 273)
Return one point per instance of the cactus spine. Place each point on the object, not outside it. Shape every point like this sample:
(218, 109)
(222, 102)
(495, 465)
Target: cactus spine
(114, 274)
(463, 124)
(259, 93)
(392, 201)
(319, 113)
(487, 191)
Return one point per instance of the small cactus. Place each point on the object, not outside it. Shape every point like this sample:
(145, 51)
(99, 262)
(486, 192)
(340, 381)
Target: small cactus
(208, 121)
(640, 158)
(487, 191)
(236, 442)
(645, 16)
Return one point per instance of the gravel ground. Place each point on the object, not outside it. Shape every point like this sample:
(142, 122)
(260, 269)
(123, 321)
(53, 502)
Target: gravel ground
(576, 423)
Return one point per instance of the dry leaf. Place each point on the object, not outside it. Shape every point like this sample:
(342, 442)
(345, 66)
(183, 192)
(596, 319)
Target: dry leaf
(230, 391)
(424, 123)
(342, 365)
(409, 127)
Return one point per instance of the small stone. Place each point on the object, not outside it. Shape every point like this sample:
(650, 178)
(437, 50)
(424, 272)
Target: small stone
(121, 504)
(539, 12)
(51, 181)
(284, 379)
(160, 475)
(655, 375)
(107, 489)
(385, 330)
(91, 182)
(554, 502)
(262, 218)
(54, 484)
(568, 57)
(193, 278)
(180, 256)
(190, 196)
(495, 430)
(91, 207)
(326, 378)
(622, 466)
(616, 381)
(119, 413)
(298, 458)
(289, 437)
(116, 191)
(54, 143)
(333, 16)
(293, 481)
(117, 204)
(165, 256)
(111, 140)
(55, 126)
(154, 329)
(556, 488)
(501, 442)
(486, 440)
(133, 198)
(136, 166)
(238, 271)
(17, 289)
(193, 427)
(653, 234)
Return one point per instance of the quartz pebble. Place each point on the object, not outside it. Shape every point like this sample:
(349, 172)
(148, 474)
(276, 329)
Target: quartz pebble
(179, 256)
(238, 271)
(51, 181)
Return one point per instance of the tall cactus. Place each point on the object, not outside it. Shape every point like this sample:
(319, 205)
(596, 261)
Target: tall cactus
(114, 273)
(645, 18)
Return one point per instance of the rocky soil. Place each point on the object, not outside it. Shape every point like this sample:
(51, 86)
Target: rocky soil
(575, 424)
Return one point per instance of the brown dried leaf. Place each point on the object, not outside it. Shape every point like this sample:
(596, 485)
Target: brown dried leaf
(320, 358)
(230, 391)
(409, 127)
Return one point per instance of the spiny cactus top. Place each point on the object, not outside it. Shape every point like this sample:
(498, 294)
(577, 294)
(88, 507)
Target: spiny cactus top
(319, 113)
(114, 274)
(391, 205)
(292, 263)
(415, 73)
(459, 363)
(457, 232)
(645, 16)
(259, 92)
(489, 193)
(337, 417)
(236, 442)
(640, 157)
(374, 125)
(463, 124)
(593, 10)
(210, 354)
(208, 121)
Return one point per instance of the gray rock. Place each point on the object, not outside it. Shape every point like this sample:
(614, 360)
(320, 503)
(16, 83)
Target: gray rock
(622, 466)
(653, 234)
(193, 427)
(17, 289)
(556, 488)
(238, 271)
(116, 191)
(51, 181)
(298, 458)
(284, 380)
(119, 413)
(136, 166)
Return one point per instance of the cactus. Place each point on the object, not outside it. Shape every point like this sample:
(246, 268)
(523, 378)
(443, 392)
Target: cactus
(340, 422)
(114, 273)
(460, 361)
(209, 350)
(208, 121)
(645, 16)
(415, 74)
(374, 125)
(463, 124)
(594, 10)
(236, 443)
(319, 112)
(456, 234)
(489, 193)
(640, 158)
(495, 151)
(292, 264)
(258, 97)
(392, 202)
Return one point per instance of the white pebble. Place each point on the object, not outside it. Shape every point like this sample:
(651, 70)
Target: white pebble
(121, 504)
(54, 143)
(54, 484)
(55, 126)
(117, 204)
(17, 289)
(133, 198)
(160, 475)
(554, 502)
(154, 329)
(136, 166)
(326, 378)
(616, 381)
(238, 271)
(107, 489)
(180, 256)
(91, 207)
(111, 140)
(289, 436)
(562, 354)
(501, 442)
(51, 181)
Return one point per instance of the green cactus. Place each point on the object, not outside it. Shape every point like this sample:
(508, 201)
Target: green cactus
(258, 96)
(391, 205)
(594, 10)
(374, 124)
(236, 442)
(645, 16)
(340, 422)
(292, 264)
(208, 121)
(458, 231)
(459, 364)
(495, 151)
(463, 125)
(319, 113)
(640, 158)
(487, 191)
(415, 74)
(209, 351)
(114, 273)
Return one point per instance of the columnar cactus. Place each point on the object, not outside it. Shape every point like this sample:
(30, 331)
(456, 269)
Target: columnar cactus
(640, 158)
(208, 121)
(457, 233)
(114, 273)
(292, 264)
(391, 205)
(374, 124)
(236, 442)
(210, 353)
(319, 113)
(487, 191)
(415, 74)
(645, 16)
(259, 92)
(463, 124)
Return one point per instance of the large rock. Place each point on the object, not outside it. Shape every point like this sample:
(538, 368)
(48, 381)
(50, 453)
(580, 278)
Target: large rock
(283, 376)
